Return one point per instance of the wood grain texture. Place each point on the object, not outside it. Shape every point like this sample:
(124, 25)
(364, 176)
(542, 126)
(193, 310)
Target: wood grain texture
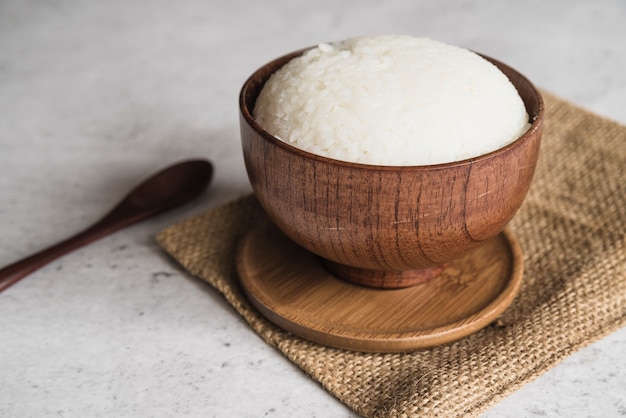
(290, 287)
(381, 220)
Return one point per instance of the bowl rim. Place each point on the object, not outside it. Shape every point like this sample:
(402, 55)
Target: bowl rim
(246, 113)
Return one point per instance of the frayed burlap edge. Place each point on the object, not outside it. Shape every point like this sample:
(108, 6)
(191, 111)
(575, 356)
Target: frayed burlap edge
(571, 228)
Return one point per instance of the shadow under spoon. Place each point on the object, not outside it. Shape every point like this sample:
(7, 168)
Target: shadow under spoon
(167, 189)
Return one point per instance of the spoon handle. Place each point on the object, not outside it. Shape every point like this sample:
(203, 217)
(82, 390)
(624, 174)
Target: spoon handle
(20, 269)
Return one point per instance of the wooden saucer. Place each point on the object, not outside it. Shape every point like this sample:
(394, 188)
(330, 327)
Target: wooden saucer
(291, 288)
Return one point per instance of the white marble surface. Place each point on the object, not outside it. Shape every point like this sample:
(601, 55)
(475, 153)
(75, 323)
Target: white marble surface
(95, 95)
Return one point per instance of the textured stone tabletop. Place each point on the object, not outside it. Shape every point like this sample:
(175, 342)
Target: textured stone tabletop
(94, 96)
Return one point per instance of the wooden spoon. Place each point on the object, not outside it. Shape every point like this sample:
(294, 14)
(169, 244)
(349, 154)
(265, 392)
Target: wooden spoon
(171, 187)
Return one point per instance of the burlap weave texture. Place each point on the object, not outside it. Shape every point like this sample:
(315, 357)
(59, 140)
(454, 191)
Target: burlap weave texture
(572, 229)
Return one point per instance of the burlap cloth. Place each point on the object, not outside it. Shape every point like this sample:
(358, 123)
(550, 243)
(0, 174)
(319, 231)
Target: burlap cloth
(572, 230)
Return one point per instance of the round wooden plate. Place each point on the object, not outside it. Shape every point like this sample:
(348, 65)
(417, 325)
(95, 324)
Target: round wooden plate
(291, 288)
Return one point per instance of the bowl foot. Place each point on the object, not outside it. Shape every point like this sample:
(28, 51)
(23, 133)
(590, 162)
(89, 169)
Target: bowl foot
(383, 279)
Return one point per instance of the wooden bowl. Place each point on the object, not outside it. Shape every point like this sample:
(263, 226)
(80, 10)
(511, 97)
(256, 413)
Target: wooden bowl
(387, 226)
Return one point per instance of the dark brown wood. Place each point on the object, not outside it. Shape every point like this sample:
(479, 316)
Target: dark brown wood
(291, 288)
(165, 190)
(382, 278)
(388, 219)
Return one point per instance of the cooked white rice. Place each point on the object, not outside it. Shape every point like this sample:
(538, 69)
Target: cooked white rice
(392, 100)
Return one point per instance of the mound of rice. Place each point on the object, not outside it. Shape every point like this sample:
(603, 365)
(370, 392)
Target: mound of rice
(392, 100)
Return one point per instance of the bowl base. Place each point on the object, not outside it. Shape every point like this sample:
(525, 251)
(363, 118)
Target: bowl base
(383, 279)
(291, 288)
